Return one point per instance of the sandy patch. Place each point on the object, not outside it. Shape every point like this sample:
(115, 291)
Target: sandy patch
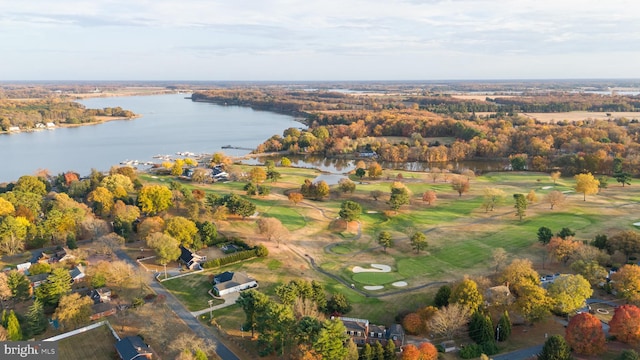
(373, 287)
(547, 187)
(400, 284)
(636, 224)
(373, 212)
(376, 268)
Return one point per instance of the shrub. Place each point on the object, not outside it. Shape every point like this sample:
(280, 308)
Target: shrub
(471, 351)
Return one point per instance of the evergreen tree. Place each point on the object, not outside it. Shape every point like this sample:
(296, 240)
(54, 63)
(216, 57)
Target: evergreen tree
(36, 319)
(481, 328)
(544, 235)
(555, 348)
(14, 332)
(57, 284)
(504, 326)
(367, 352)
(378, 351)
(629, 355)
(390, 350)
(331, 339)
(442, 296)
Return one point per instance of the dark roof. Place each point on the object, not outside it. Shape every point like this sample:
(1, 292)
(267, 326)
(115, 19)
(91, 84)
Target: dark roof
(396, 329)
(37, 255)
(186, 255)
(101, 307)
(132, 346)
(39, 277)
(224, 277)
(76, 271)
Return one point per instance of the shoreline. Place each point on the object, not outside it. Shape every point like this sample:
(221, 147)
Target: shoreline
(62, 126)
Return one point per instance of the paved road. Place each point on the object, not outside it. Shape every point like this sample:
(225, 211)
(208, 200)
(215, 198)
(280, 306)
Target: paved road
(522, 354)
(176, 306)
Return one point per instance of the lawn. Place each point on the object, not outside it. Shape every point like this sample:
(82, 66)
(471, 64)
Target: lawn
(96, 344)
(192, 290)
(376, 278)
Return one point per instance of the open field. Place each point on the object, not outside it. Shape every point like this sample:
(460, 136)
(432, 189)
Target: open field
(581, 115)
(98, 344)
(192, 290)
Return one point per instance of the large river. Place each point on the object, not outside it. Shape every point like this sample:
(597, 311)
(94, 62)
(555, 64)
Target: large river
(168, 124)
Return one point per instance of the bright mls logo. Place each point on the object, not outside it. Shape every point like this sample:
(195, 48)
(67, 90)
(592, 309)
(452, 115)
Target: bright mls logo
(32, 350)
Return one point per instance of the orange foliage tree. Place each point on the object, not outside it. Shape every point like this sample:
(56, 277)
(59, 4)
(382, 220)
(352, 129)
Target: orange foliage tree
(584, 334)
(412, 323)
(625, 324)
(428, 351)
(410, 352)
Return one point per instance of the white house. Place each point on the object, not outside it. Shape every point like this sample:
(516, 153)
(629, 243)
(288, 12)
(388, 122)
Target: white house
(229, 282)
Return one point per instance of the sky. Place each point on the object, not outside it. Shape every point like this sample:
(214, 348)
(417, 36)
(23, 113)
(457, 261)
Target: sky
(322, 40)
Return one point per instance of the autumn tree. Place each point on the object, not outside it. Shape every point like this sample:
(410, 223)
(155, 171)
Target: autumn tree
(555, 175)
(412, 323)
(74, 310)
(150, 225)
(498, 258)
(626, 282)
(376, 194)
(166, 247)
(257, 175)
(460, 185)
(625, 324)
(385, 240)
(295, 197)
(6, 208)
(555, 348)
(410, 352)
(428, 351)
(532, 302)
(183, 230)
(627, 242)
(569, 293)
(350, 211)
(519, 273)
(418, 241)
(153, 199)
(449, 320)
(584, 334)
(399, 196)
(562, 249)
(520, 206)
(586, 184)
(374, 170)
(429, 197)
(491, 198)
(466, 293)
(532, 197)
(590, 270)
(346, 186)
(555, 198)
(272, 229)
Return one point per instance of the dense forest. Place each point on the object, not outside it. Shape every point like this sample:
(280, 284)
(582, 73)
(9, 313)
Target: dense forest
(341, 124)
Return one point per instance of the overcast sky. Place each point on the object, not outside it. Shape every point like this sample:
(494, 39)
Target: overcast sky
(318, 39)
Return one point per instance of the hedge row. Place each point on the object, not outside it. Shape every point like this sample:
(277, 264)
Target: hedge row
(258, 251)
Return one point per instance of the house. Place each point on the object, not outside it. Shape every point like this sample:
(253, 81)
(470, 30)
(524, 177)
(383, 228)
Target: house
(50, 125)
(362, 332)
(77, 273)
(133, 347)
(24, 267)
(101, 310)
(14, 128)
(229, 282)
(101, 295)
(499, 295)
(190, 259)
(37, 280)
(59, 255)
(40, 126)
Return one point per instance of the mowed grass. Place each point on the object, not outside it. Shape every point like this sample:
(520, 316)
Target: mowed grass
(192, 290)
(376, 278)
(96, 344)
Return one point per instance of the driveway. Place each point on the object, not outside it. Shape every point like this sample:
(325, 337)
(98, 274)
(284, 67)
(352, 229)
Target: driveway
(229, 300)
(522, 354)
(176, 306)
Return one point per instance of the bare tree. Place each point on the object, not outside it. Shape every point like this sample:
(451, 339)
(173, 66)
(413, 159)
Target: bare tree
(5, 290)
(499, 258)
(449, 320)
(190, 343)
(555, 198)
(107, 244)
(272, 229)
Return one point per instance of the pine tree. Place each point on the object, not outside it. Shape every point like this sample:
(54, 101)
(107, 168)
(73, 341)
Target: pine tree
(390, 350)
(13, 327)
(555, 348)
(367, 352)
(504, 326)
(36, 319)
(378, 351)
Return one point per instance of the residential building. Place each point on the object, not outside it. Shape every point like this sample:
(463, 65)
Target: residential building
(133, 347)
(229, 282)
(190, 259)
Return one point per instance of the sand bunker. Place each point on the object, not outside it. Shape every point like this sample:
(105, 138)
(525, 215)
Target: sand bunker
(373, 287)
(376, 268)
(636, 224)
(400, 284)
(547, 187)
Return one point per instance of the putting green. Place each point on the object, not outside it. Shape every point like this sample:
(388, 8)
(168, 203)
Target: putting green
(377, 278)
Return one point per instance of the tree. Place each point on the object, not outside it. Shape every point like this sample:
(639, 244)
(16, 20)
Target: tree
(350, 211)
(376, 194)
(166, 247)
(181, 229)
(623, 178)
(385, 240)
(627, 242)
(272, 229)
(481, 328)
(252, 302)
(566, 232)
(374, 170)
(590, 270)
(418, 241)
(150, 225)
(467, 294)
(6, 208)
(555, 348)
(360, 172)
(555, 175)
(14, 331)
(628, 355)
(519, 273)
(569, 293)
(626, 281)
(378, 351)
(330, 342)
(153, 199)
(429, 197)
(390, 350)
(442, 296)
(601, 241)
(625, 324)
(31, 184)
(518, 162)
(5, 290)
(531, 196)
(498, 258)
(584, 334)
(410, 352)
(449, 320)
(492, 197)
(74, 310)
(460, 185)
(338, 303)
(533, 302)
(412, 323)
(562, 249)
(346, 186)
(118, 184)
(295, 197)
(19, 284)
(504, 327)
(257, 175)
(39, 268)
(586, 184)
(399, 196)
(238, 205)
(544, 235)
(521, 205)
(555, 198)
(56, 285)
(208, 232)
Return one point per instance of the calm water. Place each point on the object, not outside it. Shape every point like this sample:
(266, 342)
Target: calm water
(169, 124)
